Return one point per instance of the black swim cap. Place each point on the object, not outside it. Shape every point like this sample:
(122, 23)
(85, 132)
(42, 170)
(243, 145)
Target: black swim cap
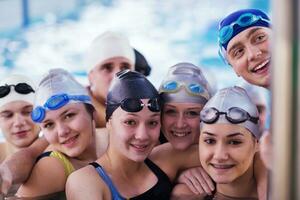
(141, 64)
(128, 85)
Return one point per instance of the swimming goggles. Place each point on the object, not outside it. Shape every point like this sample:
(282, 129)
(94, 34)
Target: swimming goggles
(55, 102)
(136, 105)
(244, 20)
(21, 88)
(194, 89)
(234, 115)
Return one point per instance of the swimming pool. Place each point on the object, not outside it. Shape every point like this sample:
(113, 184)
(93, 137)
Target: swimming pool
(166, 33)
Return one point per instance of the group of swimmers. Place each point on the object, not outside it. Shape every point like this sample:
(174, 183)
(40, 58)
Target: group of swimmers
(121, 138)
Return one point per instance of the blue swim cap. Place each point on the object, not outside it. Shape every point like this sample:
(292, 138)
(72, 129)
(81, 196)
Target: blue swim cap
(239, 21)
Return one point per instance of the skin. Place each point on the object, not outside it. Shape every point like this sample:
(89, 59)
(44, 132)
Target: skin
(180, 124)
(227, 152)
(16, 125)
(103, 73)
(132, 138)
(69, 130)
(249, 54)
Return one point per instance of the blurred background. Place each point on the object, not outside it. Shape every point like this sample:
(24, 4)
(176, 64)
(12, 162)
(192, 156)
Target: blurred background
(36, 35)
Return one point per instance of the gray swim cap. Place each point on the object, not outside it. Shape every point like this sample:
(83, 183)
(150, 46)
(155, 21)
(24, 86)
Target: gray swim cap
(56, 89)
(185, 83)
(228, 98)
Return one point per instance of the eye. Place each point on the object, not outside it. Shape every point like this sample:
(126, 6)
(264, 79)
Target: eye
(153, 123)
(169, 111)
(108, 67)
(234, 142)
(69, 115)
(124, 66)
(192, 114)
(260, 38)
(48, 125)
(130, 122)
(238, 52)
(7, 115)
(210, 141)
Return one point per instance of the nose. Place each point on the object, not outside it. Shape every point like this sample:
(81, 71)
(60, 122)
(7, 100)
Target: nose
(220, 153)
(62, 130)
(19, 120)
(141, 132)
(181, 121)
(253, 52)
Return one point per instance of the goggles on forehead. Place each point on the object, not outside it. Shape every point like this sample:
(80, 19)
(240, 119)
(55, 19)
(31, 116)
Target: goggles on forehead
(136, 105)
(244, 20)
(21, 88)
(194, 89)
(55, 102)
(234, 115)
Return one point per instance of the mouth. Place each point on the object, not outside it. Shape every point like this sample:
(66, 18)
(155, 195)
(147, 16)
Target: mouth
(222, 166)
(70, 142)
(180, 133)
(262, 67)
(140, 147)
(21, 133)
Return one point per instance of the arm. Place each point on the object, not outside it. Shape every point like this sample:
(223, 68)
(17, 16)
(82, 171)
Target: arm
(182, 192)
(47, 177)
(17, 167)
(261, 177)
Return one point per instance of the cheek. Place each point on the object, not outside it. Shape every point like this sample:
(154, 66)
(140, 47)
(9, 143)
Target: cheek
(50, 136)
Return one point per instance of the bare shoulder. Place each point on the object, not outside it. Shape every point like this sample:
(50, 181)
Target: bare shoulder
(86, 183)
(47, 176)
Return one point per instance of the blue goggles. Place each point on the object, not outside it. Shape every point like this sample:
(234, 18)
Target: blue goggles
(55, 102)
(194, 89)
(244, 20)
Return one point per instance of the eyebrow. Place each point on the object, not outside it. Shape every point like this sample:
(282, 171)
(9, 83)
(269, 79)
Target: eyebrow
(230, 135)
(252, 31)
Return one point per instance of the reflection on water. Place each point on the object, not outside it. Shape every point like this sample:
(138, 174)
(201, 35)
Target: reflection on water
(55, 196)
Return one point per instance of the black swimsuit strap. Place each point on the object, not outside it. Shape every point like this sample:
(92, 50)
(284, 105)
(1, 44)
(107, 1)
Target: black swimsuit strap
(45, 154)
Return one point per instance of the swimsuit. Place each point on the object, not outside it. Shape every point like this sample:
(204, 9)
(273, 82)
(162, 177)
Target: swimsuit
(161, 190)
(66, 163)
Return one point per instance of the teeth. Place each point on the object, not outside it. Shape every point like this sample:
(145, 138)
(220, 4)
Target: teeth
(180, 134)
(70, 140)
(139, 146)
(222, 166)
(261, 65)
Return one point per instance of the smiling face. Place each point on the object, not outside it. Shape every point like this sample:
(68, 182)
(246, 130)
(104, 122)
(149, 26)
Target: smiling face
(249, 54)
(181, 124)
(226, 151)
(69, 129)
(134, 134)
(16, 124)
(102, 74)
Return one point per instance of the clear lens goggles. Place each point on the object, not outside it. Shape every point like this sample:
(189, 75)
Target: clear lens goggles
(192, 88)
(244, 20)
(21, 88)
(55, 102)
(234, 115)
(136, 105)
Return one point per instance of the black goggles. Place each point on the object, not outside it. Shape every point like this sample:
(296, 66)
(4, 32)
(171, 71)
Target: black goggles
(234, 115)
(136, 105)
(21, 88)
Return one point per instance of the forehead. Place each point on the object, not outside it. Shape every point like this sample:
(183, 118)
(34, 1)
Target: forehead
(245, 35)
(117, 60)
(15, 106)
(183, 106)
(224, 130)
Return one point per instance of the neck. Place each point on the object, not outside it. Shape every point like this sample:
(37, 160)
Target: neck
(243, 186)
(89, 154)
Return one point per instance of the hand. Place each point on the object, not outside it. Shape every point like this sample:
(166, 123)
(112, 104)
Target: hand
(5, 178)
(197, 180)
(266, 149)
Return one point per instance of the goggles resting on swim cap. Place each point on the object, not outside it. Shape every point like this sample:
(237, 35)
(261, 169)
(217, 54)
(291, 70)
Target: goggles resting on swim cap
(234, 115)
(55, 102)
(21, 88)
(191, 88)
(246, 19)
(136, 105)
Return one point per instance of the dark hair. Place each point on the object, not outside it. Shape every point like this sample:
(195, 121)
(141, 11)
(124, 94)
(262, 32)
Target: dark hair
(141, 64)
(90, 109)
